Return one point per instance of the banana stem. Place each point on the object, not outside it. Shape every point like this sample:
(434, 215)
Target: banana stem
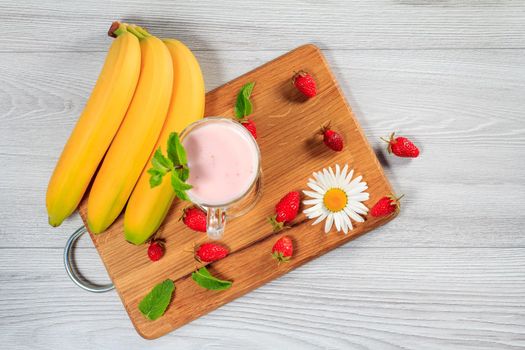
(117, 29)
(139, 32)
(142, 30)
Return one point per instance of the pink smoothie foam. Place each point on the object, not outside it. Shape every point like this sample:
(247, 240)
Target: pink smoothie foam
(223, 162)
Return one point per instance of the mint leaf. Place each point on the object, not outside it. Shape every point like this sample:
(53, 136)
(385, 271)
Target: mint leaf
(183, 172)
(247, 89)
(155, 302)
(161, 166)
(243, 106)
(176, 151)
(204, 279)
(247, 107)
(155, 178)
(239, 107)
(160, 162)
(179, 186)
(175, 162)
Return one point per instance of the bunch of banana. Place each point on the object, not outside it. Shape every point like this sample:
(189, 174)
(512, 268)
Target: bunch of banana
(147, 88)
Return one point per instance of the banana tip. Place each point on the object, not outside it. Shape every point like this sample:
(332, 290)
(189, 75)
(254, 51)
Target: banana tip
(52, 222)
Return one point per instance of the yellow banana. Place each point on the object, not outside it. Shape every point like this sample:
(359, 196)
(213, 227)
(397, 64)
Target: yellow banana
(147, 207)
(136, 137)
(96, 127)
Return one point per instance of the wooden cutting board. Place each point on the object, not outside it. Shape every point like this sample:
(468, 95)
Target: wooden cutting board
(287, 124)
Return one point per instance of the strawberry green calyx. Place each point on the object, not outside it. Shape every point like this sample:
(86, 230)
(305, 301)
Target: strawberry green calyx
(324, 128)
(277, 226)
(395, 201)
(279, 256)
(390, 142)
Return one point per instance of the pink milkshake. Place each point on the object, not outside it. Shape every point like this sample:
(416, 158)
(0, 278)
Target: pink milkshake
(223, 159)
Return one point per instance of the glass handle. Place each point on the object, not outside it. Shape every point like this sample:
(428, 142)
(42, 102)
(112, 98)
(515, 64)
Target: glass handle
(216, 219)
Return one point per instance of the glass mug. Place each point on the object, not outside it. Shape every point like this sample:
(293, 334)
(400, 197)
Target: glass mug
(225, 170)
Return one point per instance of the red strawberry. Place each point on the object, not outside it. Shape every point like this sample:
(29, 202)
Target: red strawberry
(250, 126)
(208, 252)
(156, 250)
(283, 249)
(286, 210)
(386, 206)
(332, 139)
(195, 219)
(304, 82)
(402, 147)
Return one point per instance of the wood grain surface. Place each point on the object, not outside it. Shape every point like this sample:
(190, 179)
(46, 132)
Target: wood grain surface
(448, 273)
(289, 157)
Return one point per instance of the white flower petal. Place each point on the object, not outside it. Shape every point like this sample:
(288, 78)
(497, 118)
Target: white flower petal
(312, 201)
(328, 223)
(344, 223)
(359, 205)
(315, 187)
(318, 206)
(355, 189)
(325, 183)
(332, 176)
(313, 194)
(350, 226)
(352, 214)
(357, 208)
(337, 171)
(322, 184)
(314, 215)
(363, 196)
(328, 178)
(321, 217)
(343, 173)
(336, 222)
(322, 181)
(349, 176)
(355, 181)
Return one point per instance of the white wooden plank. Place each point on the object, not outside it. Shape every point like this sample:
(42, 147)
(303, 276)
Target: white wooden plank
(44, 25)
(464, 107)
(352, 298)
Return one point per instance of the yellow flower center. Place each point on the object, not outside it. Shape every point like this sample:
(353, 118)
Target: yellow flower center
(335, 199)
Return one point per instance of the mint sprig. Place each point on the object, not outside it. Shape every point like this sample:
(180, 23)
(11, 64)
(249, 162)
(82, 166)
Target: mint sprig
(243, 106)
(204, 279)
(175, 163)
(155, 302)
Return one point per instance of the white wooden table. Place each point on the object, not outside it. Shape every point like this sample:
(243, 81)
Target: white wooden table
(449, 273)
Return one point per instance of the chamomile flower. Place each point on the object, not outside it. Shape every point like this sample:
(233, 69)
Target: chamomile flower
(336, 198)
